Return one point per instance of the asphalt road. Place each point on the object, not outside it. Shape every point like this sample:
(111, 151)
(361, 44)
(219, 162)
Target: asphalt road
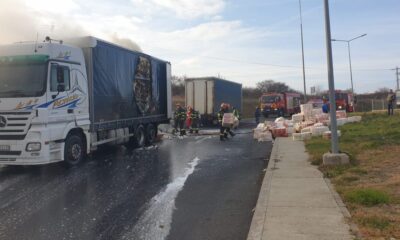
(191, 188)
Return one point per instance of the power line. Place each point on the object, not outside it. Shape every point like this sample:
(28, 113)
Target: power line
(270, 64)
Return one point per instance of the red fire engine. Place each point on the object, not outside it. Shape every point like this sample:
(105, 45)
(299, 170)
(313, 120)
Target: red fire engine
(344, 100)
(280, 104)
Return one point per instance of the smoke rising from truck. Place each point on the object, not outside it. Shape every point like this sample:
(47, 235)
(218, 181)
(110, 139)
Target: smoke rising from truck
(19, 23)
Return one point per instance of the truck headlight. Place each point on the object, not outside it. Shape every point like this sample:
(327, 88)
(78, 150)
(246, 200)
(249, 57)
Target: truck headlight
(33, 146)
(340, 107)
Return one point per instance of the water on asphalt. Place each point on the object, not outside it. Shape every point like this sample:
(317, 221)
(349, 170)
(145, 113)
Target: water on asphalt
(123, 193)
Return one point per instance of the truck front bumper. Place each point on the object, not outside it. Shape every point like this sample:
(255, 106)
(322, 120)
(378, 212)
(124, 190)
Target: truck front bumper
(14, 152)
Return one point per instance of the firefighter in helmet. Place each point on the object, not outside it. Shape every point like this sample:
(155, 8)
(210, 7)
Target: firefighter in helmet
(189, 111)
(195, 121)
(179, 119)
(223, 131)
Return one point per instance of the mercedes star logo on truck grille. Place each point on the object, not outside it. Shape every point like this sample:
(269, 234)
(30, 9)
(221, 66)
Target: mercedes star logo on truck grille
(3, 121)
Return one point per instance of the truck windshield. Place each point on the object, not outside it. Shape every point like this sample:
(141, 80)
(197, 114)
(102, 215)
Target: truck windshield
(269, 99)
(22, 80)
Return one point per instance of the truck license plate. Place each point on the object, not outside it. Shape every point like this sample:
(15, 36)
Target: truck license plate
(4, 147)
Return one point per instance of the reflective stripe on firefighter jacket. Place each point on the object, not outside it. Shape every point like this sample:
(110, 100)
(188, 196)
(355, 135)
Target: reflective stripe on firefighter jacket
(180, 114)
(195, 115)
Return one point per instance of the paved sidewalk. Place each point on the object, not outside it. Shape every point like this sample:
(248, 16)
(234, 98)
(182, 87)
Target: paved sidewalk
(295, 201)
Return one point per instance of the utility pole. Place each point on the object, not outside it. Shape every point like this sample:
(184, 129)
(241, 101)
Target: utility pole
(397, 76)
(302, 53)
(334, 136)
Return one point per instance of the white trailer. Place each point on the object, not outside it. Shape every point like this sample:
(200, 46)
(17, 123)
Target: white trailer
(207, 94)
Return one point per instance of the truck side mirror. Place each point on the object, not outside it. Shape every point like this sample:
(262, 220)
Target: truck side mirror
(60, 88)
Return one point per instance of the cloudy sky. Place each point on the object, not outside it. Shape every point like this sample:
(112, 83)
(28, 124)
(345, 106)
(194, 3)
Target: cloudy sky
(243, 41)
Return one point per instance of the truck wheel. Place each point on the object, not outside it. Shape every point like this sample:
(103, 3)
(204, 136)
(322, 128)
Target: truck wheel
(151, 134)
(74, 150)
(140, 136)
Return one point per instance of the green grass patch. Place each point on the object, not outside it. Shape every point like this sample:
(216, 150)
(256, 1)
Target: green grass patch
(350, 178)
(374, 131)
(334, 171)
(367, 197)
(357, 170)
(374, 222)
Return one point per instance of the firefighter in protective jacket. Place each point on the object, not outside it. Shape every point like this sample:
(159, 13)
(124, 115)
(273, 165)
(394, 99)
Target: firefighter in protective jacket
(179, 119)
(223, 131)
(195, 121)
(189, 111)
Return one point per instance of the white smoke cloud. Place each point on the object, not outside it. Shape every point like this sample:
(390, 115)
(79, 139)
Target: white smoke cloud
(16, 23)
(125, 42)
(185, 9)
(27, 20)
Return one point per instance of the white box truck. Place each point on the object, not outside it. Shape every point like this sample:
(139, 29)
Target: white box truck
(205, 94)
(59, 101)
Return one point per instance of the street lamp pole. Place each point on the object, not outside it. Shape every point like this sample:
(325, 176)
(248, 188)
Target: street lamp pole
(348, 48)
(302, 53)
(334, 135)
(351, 69)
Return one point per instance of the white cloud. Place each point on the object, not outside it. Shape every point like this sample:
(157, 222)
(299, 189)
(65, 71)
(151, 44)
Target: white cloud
(202, 44)
(55, 7)
(185, 9)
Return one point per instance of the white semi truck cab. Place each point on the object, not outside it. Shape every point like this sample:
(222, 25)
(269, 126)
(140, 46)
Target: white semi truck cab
(58, 102)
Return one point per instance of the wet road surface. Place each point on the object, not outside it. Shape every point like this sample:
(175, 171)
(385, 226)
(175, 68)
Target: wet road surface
(191, 188)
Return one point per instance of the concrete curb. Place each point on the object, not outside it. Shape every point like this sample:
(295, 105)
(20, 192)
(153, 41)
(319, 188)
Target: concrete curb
(257, 223)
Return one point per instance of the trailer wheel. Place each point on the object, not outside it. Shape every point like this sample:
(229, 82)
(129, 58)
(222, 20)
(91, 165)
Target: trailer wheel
(74, 150)
(140, 136)
(151, 134)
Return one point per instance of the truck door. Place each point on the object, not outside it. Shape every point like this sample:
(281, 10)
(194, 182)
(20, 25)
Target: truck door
(61, 101)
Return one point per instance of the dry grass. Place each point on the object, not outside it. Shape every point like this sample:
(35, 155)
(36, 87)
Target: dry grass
(370, 186)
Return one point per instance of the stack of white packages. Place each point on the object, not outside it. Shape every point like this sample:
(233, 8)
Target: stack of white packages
(328, 134)
(302, 136)
(296, 118)
(341, 121)
(354, 119)
(315, 113)
(307, 111)
(306, 135)
(290, 130)
(341, 114)
(258, 130)
(262, 133)
(307, 129)
(279, 119)
(265, 137)
(297, 137)
(319, 130)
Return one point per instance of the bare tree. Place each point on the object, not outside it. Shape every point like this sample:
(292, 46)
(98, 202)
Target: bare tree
(272, 86)
(178, 85)
(382, 90)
